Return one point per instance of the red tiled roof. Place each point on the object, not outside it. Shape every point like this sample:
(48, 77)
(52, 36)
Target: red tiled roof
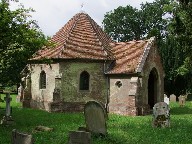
(129, 56)
(80, 38)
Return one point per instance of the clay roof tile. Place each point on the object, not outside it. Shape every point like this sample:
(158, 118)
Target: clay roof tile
(80, 37)
(130, 56)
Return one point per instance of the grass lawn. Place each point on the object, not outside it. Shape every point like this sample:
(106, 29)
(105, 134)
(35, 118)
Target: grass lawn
(121, 129)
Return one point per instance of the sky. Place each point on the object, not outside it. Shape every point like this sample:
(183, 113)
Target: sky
(51, 15)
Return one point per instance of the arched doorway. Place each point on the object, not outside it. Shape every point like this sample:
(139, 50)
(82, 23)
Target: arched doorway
(152, 88)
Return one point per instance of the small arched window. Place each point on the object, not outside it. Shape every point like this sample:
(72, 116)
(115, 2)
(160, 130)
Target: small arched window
(84, 81)
(42, 81)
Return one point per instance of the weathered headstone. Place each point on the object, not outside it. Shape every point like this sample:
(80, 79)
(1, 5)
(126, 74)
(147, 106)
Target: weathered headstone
(172, 98)
(95, 117)
(21, 138)
(7, 119)
(182, 99)
(161, 116)
(79, 137)
(166, 99)
(8, 100)
(19, 94)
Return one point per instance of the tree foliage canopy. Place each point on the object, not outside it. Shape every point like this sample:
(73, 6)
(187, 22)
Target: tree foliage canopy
(20, 37)
(128, 23)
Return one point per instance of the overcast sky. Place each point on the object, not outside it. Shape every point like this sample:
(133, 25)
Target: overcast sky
(53, 14)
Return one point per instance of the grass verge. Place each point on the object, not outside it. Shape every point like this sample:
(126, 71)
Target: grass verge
(121, 129)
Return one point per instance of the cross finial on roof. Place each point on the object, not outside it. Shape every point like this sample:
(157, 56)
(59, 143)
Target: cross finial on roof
(82, 5)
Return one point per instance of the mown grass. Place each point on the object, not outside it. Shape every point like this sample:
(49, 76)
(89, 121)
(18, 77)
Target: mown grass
(121, 129)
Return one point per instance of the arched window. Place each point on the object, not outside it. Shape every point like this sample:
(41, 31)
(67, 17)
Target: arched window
(84, 81)
(42, 81)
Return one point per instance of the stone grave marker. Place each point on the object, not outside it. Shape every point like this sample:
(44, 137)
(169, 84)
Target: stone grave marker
(8, 100)
(79, 137)
(19, 94)
(172, 98)
(95, 117)
(161, 116)
(7, 119)
(182, 99)
(166, 99)
(21, 138)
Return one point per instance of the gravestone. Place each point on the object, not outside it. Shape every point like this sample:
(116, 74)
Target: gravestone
(172, 98)
(166, 99)
(79, 137)
(7, 119)
(8, 100)
(182, 99)
(21, 138)
(95, 117)
(161, 116)
(19, 94)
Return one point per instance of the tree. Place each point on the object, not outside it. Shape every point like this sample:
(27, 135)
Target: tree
(128, 23)
(181, 28)
(123, 24)
(154, 19)
(20, 37)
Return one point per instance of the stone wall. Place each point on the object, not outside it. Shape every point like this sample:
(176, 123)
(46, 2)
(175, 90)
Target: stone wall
(67, 106)
(153, 62)
(41, 97)
(119, 100)
(131, 98)
(70, 82)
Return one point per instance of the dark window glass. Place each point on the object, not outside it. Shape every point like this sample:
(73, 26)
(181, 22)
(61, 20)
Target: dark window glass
(42, 83)
(84, 81)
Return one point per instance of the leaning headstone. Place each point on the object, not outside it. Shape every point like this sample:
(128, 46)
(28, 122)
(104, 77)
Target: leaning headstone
(79, 137)
(161, 116)
(166, 99)
(21, 138)
(182, 99)
(172, 98)
(95, 117)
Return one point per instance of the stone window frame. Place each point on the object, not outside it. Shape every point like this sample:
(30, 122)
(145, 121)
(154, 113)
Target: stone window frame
(79, 79)
(42, 80)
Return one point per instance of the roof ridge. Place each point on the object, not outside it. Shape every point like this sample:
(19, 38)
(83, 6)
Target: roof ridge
(145, 54)
(93, 24)
(67, 37)
(94, 29)
(81, 31)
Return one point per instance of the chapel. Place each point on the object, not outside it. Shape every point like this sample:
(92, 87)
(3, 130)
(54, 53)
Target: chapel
(83, 63)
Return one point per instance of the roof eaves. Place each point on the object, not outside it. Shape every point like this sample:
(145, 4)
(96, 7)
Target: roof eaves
(145, 54)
